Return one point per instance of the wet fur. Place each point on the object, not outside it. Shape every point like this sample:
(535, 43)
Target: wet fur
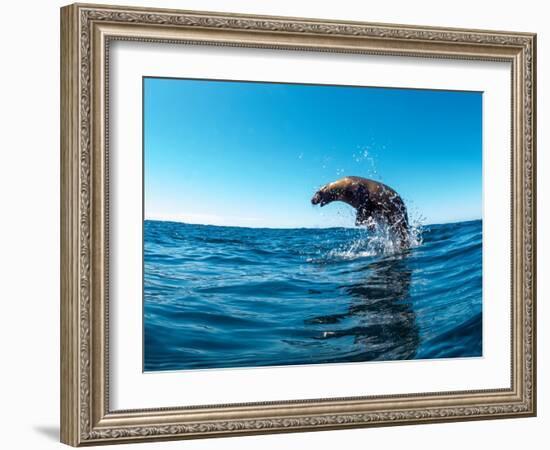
(374, 202)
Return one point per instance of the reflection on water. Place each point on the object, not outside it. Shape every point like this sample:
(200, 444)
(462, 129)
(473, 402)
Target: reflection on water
(384, 321)
(217, 297)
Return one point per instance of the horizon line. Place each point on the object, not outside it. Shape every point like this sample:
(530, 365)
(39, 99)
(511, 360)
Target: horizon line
(146, 219)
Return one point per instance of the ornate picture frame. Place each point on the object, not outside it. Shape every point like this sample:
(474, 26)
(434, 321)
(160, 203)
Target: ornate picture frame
(87, 31)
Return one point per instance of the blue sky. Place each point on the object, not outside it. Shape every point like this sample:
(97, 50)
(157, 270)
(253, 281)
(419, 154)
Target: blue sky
(253, 154)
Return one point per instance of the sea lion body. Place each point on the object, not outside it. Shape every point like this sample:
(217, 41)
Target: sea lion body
(374, 202)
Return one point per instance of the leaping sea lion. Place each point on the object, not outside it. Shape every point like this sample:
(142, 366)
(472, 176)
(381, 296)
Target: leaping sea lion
(374, 202)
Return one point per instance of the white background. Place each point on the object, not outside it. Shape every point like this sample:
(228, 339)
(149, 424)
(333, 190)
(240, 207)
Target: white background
(29, 230)
(132, 389)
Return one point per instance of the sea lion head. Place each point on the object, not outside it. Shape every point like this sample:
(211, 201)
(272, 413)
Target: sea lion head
(342, 190)
(323, 197)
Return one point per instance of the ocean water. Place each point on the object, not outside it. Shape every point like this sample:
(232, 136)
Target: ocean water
(219, 297)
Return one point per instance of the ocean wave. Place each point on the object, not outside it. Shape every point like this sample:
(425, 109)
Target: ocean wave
(238, 297)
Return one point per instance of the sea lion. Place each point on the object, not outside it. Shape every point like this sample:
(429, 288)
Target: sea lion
(374, 202)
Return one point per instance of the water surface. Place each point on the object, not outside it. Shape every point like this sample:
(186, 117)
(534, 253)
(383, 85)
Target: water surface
(240, 297)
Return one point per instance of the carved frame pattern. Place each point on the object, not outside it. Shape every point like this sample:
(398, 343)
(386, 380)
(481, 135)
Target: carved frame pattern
(86, 418)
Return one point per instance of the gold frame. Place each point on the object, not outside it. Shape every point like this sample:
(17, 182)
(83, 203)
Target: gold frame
(86, 31)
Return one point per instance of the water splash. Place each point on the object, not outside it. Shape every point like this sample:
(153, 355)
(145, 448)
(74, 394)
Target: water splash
(366, 157)
(380, 240)
(372, 238)
(417, 222)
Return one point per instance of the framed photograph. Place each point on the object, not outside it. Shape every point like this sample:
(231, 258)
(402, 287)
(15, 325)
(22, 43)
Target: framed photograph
(274, 224)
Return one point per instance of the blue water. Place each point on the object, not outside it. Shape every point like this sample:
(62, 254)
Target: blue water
(240, 297)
